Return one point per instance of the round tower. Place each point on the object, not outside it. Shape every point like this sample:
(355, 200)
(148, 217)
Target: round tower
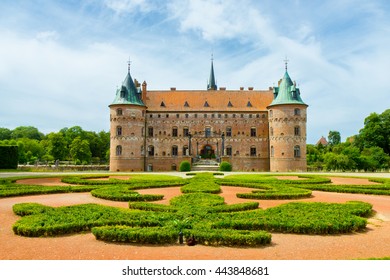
(127, 125)
(287, 128)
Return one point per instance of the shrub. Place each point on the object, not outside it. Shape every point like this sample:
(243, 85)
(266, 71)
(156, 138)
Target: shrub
(225, 166)
(154, 235)
(123, 193)
(9, 157)
(185, 166)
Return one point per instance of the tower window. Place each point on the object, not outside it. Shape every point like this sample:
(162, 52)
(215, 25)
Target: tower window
(297, 112)
(119, 112)
(297, 151)
(272, 151)
(297, 131)
(271, 113)
(118, 150)
(118, 131)
(271, 131)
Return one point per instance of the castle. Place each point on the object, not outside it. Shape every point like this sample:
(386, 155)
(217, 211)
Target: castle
(254, 130)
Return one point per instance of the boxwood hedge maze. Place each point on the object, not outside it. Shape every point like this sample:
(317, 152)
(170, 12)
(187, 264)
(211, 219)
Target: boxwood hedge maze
(199, 212)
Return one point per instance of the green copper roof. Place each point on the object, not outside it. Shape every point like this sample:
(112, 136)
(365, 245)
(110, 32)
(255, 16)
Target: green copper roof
(212, 85)
(287, 92)
(128, 93)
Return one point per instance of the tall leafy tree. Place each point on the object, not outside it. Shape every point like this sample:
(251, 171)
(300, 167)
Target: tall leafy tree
(57, 146)
(80, 151)
(334, 137)
(29, 132)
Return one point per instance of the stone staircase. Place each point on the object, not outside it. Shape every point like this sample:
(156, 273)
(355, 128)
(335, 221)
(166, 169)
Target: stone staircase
(205, 165)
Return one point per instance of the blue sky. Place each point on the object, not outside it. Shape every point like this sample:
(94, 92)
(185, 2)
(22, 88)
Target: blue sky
(61, 61)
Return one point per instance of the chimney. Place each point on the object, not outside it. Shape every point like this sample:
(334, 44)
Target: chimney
(173, 88)
(144, 84)
(250, 88)
(241, 88)
(222, 88)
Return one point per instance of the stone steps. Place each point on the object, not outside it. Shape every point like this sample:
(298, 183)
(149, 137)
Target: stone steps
(205, 168)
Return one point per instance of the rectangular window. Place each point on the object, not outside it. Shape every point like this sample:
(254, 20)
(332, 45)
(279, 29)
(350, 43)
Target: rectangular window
(253, 151)
(150, 131)
(228, 132)
(174, 132)
(174, 151)
(207, 131)
(253, 132)
(185, 132)
(297, 131)
(229, 151)
(118, 130)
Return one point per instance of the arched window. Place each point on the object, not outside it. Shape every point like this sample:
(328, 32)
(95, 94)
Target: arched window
(119, 112)
(297, 151)
(118, 150)
(253, 132)
(228, 131)
(118, 131)
(174, 131)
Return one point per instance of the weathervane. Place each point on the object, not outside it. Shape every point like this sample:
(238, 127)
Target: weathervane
(285, 63)
(128, 64)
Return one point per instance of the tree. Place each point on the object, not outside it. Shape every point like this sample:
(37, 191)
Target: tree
(376, 132)
(334, 138)
(80, 151)
(5, 133)
(57, 146)
(29, 132)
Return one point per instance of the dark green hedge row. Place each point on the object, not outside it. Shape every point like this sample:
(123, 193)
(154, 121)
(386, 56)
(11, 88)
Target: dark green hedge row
(124, 193)
(151, 207)
(197, 200)
(202, 182)
(235, 207)
(126, 234)
(302, 218)
(228, 237)
(79, 218)
(257, 178)
(9, 190)
(9, 157)
(361, 189)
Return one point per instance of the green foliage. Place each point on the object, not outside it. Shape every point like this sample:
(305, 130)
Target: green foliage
(80, 151)
(203, 215)
(28, 132)
(302, 218)
(8, 157)
(334, 137)
(185, 166)
(202, 182)
(79, 218)
(123, 193)
(225, 166)
(139, 235)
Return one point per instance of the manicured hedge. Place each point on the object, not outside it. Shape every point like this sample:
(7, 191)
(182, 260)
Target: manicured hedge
(79, 218)
(185, 166)
(9, 157)
(228, 237)
(126, 234)
(225, 166)
(302, 218)
(202, 182)
(123, 193)
(199, 200)
(151, 207)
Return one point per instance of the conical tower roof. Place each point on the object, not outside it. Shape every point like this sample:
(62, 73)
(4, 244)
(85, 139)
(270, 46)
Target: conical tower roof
(212, 85)
(128, 93)
(287, 92)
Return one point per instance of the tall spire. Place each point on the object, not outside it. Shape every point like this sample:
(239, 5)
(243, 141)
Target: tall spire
(211, 84)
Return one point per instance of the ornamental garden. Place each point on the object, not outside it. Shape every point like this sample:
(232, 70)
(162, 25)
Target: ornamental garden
(199, 212)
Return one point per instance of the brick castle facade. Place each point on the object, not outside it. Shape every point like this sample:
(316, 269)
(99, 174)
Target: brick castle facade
(254, 130)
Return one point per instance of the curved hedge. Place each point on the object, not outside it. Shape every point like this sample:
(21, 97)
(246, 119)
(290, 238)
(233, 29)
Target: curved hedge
(124, 193)
(202, 182)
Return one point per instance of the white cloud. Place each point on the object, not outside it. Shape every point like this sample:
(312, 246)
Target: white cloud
(127, 6)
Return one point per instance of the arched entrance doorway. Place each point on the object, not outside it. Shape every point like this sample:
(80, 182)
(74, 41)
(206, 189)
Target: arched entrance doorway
(207, 152)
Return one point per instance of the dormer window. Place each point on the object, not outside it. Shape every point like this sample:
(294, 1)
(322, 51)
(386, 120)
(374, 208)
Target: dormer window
(162, 104)
(230, 104)
(249, 104)
(206, 104)
(186, 104)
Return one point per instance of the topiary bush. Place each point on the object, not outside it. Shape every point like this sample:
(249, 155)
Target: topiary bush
(225, 166)
(9, 157)
(185, 166)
